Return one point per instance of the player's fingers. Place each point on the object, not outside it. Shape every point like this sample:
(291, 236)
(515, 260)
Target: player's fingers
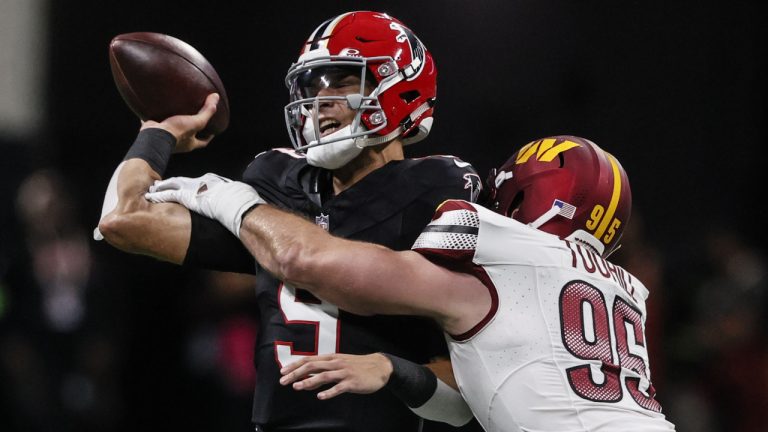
(320, 379)
(293, 366)
(292, 375)
(321, 357)
(334, 391)
(306, 369)
(163, 197)
(208, 109)
(167, 184)
(304, 360)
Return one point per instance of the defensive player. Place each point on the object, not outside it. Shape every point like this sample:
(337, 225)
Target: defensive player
(544, 332)
(363, 87)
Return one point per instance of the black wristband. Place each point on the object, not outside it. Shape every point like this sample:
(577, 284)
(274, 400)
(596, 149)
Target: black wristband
(155, 146)
(413, 383)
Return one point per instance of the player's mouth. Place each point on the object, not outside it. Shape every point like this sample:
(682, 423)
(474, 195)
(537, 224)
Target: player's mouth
(329, 126)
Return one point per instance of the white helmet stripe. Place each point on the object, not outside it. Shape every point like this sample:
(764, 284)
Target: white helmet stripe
(319, 38)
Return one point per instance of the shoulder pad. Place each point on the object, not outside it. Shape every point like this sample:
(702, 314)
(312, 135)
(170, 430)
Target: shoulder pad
(453, 205)
(272, 163)
(452, 234)
(450, 170)
(446, 162)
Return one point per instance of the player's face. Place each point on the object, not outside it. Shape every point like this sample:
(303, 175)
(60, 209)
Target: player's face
(335, 114)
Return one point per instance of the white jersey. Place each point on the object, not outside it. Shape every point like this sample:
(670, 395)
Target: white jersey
(563, 346)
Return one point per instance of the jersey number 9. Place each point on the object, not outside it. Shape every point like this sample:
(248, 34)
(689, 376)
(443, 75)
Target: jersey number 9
(308, 311)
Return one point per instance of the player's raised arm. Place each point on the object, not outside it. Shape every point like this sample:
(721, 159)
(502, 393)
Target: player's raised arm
(130, 222)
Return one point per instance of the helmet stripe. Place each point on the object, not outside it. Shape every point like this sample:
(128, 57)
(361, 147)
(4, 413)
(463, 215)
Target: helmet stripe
(321, 38)
(614, 198)
(314, 40)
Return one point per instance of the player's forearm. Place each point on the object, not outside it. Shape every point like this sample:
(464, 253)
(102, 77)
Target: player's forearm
(305, 256)
(134, 180)
(162, 233)
(137, 226)
(284, 244)
(131, 223)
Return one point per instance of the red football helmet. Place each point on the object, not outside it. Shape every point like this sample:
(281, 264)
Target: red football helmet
(388, 57)
(567, 186)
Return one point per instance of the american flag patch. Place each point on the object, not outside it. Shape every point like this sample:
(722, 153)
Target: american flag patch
(566, 210)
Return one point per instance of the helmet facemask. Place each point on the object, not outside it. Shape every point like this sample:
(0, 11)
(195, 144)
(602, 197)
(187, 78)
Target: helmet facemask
(309, 77)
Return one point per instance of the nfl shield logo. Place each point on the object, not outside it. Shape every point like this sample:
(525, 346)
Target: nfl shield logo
(323, 220)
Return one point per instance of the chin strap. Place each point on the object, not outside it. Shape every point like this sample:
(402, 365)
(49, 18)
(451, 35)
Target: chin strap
(370, 142)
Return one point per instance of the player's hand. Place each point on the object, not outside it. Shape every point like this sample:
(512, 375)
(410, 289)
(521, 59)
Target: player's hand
(211, 195)
(186, 127)
(187, 191)
(361, 374)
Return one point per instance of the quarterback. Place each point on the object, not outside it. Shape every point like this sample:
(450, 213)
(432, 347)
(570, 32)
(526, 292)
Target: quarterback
(362, 88)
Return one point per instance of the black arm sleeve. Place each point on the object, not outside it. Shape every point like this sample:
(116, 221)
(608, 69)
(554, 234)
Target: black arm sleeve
(213, 247)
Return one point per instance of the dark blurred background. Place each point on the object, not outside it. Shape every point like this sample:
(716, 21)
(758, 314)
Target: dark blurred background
(92, 339)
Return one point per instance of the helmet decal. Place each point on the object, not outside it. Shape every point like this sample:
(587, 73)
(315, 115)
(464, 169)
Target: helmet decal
(600, 218)
(543, 150)
(416, 47)
(350, 52)
(474, 185)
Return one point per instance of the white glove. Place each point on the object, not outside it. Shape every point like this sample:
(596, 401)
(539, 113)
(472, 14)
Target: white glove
(211, 195)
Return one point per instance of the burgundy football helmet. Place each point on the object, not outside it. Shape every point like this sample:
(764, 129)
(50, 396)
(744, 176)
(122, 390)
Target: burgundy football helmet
(567, 186)
(387, 57)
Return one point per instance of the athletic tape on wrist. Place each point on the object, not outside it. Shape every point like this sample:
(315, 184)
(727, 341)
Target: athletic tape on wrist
(154, 145)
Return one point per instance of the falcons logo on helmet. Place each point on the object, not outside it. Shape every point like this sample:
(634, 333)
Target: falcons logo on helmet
(474, 185)
(416, 47)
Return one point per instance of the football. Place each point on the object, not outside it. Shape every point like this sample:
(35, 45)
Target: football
(159, 76)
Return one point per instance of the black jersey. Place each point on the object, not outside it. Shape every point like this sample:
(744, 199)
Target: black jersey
(390, 206)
